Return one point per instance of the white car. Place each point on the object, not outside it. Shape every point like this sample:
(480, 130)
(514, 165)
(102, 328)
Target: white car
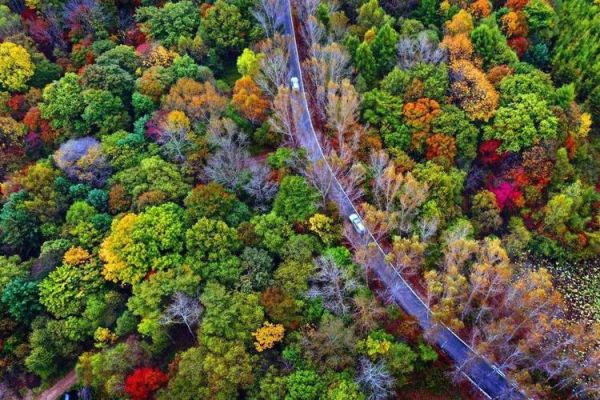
(295, 83)
(357, 223)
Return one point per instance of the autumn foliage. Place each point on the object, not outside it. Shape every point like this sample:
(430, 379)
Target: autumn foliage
(249, 99)
(268, 336)
(473, 91)
(143, 382)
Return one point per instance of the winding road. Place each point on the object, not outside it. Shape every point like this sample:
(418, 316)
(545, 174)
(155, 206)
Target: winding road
(486, 377)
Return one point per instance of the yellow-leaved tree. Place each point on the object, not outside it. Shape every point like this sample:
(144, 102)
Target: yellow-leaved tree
(15, 67)
(267, 336)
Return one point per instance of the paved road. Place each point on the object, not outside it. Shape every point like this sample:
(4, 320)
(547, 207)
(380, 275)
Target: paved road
(483, 375)
(64, 384)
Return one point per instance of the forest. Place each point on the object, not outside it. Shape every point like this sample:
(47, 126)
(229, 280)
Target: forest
(176, 181)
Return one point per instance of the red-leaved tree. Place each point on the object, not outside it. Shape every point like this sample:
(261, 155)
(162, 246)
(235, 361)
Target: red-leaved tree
(143, 382)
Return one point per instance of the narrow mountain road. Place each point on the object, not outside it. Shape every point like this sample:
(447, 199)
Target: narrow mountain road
(63, 385)
(490, 381)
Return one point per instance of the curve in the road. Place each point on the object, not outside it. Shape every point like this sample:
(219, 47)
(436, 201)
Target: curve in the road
(485, 376)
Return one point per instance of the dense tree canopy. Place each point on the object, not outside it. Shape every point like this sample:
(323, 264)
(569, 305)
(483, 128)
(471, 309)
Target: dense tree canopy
(172, 228)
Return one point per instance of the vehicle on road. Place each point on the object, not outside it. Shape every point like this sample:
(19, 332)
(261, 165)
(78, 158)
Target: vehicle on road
(295, 83)
(357, 223)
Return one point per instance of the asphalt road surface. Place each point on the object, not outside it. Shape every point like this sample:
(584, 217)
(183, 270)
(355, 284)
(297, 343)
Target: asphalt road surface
(490, 381)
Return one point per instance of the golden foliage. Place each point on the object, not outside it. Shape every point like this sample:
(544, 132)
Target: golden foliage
(76, 256)
(459, 46)
(473, 91)
(120, 238)
(323, 226)
(481, 8)
(267, 336)
(249, 99)
(462, 22)
(199, 101)
(515, 24)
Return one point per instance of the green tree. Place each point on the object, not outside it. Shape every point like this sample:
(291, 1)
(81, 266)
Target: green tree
(525, 122)
(229, 315)
(103, 111)
(138, 244)
(486, 213)
(105, 371)
(19, 229)
(153, 175)
(445, 187)
(170, 22)
(453, 121)
(66, 290)
(345, 390)
(575, 57)
(125, 150)
(366, 64)
(383, 110)
(63, 105)
(108, 77)
(225, 29)
(122, 56)
(257, 265)
(296, 199)
(151, 294)
(292, 276)
(212, 246)
(532, 82)
(210, 201)
(370, 14)
(51, 348)
(541, 20)
(557, 212)
(272, 231)
(304, 385)
(20, 296)
(248, 63)
(384, 49)
(490, 44)
(215, 370)
(11, 268)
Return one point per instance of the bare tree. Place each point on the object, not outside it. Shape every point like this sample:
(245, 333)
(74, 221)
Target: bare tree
(270, 15)
(424, 48)
(368, 313)
(273, 71)
(331, 346)
(320, 177)
(260, 187)
(286, 109)
(183, 309)
(407, 255)
(333, 285)
(305, 8)
(386, 181)
(327, 64)
(428, 227)
(313, 31)
(174, 141)
(227, 164)
(410, 197)
(379, 222)
(351, 179)
(342, 107)
(375, 379)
